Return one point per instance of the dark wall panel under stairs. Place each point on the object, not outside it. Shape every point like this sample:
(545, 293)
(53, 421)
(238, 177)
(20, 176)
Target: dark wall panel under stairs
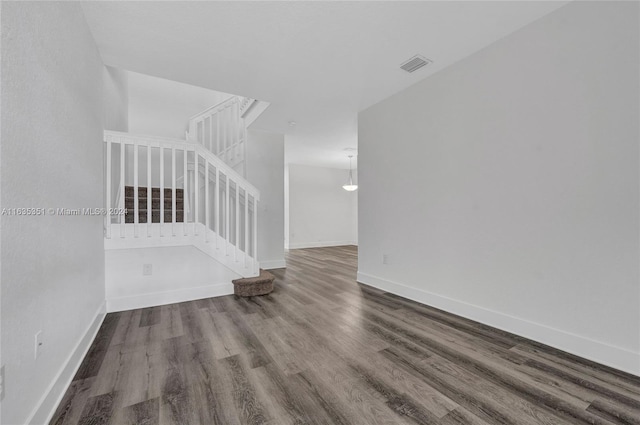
(129, 204)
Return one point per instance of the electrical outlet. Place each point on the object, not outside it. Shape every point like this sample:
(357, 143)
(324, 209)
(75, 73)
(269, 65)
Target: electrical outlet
(38, 344)
(2, 383)
(146, 270)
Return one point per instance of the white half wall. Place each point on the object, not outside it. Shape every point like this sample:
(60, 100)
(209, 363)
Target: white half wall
(52, 266)
(160, 107)
(265, 170)
(505, 188)
(321, 212)
(180, 273)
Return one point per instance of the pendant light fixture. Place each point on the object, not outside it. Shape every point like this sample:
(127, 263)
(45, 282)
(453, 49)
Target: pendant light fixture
(350, 187)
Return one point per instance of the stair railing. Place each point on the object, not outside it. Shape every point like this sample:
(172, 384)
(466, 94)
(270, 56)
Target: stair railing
(221, 130)
(224, 205)
(245, 104)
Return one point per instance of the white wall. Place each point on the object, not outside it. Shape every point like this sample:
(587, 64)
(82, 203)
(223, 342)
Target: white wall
(265, 170)
(160, 107)
(321, 212)
(1, 204)
(116, 99)
(116, 115)
(178, 274)
(505, 188)
(52, 267)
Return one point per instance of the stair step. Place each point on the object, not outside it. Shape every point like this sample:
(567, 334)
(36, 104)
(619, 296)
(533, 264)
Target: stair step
(253, 286)
(155, 192)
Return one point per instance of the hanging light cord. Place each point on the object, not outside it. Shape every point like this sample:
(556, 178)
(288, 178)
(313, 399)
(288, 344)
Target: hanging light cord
(350, 171)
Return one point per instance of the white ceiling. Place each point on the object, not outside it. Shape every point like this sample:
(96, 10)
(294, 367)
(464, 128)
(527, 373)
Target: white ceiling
(318, 63)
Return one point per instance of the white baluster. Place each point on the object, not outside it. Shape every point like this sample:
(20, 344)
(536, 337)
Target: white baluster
(211, 133)
(237, 218)
(108, 181)
(226, 217)
(244, 150)
(246, 227)
(217, 151)
(184, 191)
(224, 135)
(122, 192)
(236, 131)
(161, 190)
(228, 152)
(173, 191)
(206, 199)
(216, 218)
(149, 194)
(196, 196)
(255, 235)
(135, 190)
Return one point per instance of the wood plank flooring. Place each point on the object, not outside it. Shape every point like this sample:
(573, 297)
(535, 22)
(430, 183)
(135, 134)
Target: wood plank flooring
(323, 349)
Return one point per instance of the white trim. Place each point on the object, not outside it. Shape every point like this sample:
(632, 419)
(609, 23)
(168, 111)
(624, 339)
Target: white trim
(273, 264)
(320, 244)
(49, 402)
(597, 351)
(168, 297)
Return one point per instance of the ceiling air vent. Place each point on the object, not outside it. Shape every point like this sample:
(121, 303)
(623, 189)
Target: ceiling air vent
(415, 63)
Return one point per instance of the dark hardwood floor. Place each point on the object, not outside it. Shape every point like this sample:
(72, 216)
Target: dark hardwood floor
(323, 349)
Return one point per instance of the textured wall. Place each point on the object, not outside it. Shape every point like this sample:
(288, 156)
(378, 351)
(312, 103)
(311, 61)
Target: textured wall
(52, 266)
(505, 187)
(178, 273)
(116, 99)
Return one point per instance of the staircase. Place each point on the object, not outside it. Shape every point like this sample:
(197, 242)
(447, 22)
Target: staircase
(215, 129)
(172, 192)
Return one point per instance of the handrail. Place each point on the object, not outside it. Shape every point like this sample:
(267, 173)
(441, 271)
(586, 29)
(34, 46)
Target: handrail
(246, 104)
(217, 107)
(221, 129)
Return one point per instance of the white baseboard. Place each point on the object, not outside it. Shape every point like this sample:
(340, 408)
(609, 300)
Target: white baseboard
(320, 244)
(597, 351)
(168, 297)
(273, 264)
(47, 406)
